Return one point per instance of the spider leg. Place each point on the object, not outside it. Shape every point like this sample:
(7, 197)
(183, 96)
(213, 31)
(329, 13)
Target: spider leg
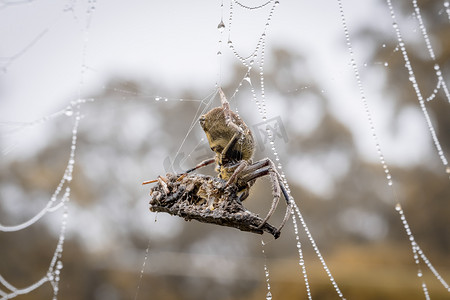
(289, 206)
(201, 165)
(227, 111)
(259, 169)
(239, 169)
(267, 167)
(229, 147)
(244, 194)
(253, 171)
(276, 193)
(228, 120)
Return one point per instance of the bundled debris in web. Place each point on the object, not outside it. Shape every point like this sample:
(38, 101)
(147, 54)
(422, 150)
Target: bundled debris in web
(206, 199)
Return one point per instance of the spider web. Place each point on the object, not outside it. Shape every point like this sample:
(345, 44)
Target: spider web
(416, 250)
(253, 80)
(61, 195)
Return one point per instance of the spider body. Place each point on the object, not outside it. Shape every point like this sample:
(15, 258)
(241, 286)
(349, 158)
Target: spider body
(232, 145)
(219, 134)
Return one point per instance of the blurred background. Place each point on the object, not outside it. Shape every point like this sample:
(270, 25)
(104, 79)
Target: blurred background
(150, 68)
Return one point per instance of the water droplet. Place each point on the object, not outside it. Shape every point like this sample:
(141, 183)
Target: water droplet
(386, 64)
(390, 182)
(277, 3)
(219, 53)
(69, 111)
(398, 207)
(59, 265)
(447, 170)
(221, 26)
(157, 98)
(269, 296)
(419, 274)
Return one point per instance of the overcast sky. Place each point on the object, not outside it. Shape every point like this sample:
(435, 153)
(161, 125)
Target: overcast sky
(175, 44)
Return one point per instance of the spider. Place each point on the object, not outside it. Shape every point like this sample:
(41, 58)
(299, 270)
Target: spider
(233, 144)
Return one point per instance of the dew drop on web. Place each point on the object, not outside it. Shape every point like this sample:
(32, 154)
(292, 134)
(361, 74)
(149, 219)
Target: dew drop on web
(221, 26)
(69, 111)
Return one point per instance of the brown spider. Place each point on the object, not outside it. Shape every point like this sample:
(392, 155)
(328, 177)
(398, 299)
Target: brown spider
(233, 144)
